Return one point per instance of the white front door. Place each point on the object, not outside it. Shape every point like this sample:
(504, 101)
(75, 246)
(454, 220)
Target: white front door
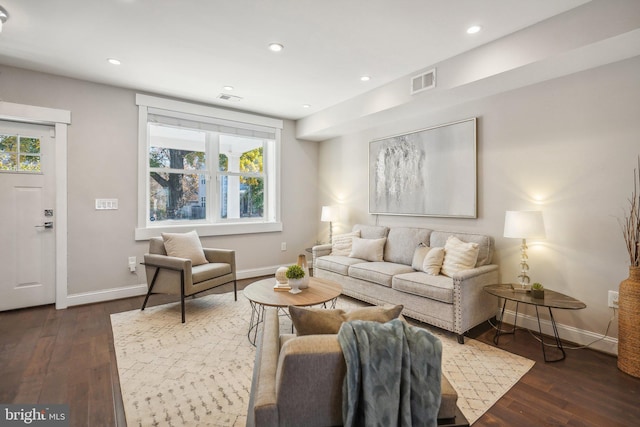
(27, 218)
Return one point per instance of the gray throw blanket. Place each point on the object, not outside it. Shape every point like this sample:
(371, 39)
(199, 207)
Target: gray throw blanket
(393, 374)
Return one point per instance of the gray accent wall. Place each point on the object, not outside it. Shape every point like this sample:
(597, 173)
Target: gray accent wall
(102, 163)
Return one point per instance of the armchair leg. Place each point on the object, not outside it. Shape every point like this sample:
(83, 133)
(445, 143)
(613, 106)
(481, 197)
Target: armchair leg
(153, 282)
(235, 291)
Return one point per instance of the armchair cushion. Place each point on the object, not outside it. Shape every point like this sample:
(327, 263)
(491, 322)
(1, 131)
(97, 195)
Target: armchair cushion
(185, 245)
(319, 321)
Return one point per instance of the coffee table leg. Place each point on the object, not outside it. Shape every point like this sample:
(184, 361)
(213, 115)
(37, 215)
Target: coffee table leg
(257, 316)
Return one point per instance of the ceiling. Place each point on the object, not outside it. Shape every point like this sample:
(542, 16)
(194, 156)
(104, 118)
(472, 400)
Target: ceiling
(191, 49)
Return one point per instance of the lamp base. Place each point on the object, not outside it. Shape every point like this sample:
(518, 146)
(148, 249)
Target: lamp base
(518, 288)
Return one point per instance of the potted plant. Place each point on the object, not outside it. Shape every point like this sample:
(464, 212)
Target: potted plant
(295, 274)
(537, 291)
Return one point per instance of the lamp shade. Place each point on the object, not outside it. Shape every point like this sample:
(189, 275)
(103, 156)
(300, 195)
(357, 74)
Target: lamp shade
(327, 214)
(524, 224)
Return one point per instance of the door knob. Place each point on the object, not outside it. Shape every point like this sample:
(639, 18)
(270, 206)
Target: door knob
(45, 225)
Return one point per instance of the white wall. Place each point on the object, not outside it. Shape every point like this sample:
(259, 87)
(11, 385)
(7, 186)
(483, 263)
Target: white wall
(567, 147)
(102, 163)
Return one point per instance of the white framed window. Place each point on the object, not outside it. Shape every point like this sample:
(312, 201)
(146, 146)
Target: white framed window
(205, 168)
(19, 153)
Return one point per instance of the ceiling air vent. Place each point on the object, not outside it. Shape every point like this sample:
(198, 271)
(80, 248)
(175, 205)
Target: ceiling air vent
(423, 81)
(227, 97)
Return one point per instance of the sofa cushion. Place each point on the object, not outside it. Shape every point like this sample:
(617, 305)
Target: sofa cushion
(402, 242)
(341, 243)
(337, 264)
(315, 321)
(368, 249)
(458, 256)
(378, 272)
(371, 231)
(185, 245)
(439, 288)
(485, 244)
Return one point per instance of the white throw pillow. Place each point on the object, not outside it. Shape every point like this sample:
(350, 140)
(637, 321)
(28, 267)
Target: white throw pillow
(459, 255)
(185, 245)
(433, 261)
(418, 256)
(368, 249)
(341, 243)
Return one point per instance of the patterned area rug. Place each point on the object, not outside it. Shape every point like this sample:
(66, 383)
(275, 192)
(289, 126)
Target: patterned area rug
(199, 373)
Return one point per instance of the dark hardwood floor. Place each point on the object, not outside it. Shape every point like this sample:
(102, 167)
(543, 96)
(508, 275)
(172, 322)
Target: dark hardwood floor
(53, 356)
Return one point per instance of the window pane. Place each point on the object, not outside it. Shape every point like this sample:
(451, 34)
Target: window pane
(241, 197)
(176, 159)
(223, 163)
(8, 143)
(176, 196)
(30, 145)
(251, 161)
(29, 163)
(8, 161)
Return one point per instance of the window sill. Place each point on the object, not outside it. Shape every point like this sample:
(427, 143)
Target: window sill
(209, 229)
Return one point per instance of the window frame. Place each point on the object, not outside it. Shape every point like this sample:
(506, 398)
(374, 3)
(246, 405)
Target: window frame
(271, 170)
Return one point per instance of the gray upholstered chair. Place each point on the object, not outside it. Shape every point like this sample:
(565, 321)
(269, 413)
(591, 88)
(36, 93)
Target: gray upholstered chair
(173, 275)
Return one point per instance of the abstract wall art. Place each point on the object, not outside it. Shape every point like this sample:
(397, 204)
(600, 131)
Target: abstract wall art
(428, 172)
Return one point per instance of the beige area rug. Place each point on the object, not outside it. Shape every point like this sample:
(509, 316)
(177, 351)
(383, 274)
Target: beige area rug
(199, 373)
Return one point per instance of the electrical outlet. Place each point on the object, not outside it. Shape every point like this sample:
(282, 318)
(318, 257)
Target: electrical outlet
(612, 300)
(132, 264)
(283, 246)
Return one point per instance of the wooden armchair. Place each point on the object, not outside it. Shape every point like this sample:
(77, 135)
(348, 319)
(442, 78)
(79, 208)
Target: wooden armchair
(175, 275)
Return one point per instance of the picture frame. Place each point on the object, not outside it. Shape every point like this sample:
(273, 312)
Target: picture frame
(427, 172)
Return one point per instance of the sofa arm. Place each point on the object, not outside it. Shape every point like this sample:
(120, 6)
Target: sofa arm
(472, 304)
(320, 250)
(263, 409)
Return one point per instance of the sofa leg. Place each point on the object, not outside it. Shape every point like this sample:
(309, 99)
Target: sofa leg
(460, 338)
(235, 291)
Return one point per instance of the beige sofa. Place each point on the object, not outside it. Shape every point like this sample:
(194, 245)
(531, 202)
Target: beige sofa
(456, 303)
(297, 381)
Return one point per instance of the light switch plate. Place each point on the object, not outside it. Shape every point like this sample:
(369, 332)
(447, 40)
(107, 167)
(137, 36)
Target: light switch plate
(106, 204)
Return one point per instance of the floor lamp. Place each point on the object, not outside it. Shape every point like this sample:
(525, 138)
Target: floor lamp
(328, 216)
(524, 225)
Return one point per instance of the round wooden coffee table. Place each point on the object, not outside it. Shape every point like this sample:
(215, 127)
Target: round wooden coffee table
(261, 294)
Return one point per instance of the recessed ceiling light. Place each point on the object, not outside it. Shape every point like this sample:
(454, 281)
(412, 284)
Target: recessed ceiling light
(227, 87)
(114, 61)
(276, 47)
(365, 78)
(474, 29)
(306, 106)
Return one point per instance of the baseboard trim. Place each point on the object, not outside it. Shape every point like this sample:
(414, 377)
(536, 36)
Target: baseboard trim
(141, 289)
(567, 333)
(106, 295)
